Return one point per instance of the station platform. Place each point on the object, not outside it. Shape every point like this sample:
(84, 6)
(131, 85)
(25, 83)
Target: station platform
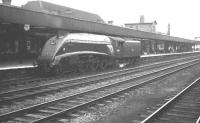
(16, 65)
(165, 54)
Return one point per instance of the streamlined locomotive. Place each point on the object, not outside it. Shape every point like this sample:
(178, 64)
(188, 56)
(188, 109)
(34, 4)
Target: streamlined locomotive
(83, 52)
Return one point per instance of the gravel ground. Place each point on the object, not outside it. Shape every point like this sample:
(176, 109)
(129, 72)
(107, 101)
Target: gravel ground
(132, 106)
(56, 95)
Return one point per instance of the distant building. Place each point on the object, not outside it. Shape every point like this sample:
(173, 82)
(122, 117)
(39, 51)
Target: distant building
(7, 2)
(51, 8)
(143, 26)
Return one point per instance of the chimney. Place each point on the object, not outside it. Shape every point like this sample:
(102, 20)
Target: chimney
(110, 22)
(142, 19)
(6, 2)
(168, 29)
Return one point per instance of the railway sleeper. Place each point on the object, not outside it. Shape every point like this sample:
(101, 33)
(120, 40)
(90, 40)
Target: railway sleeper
(167, 120)
(185, 111)
(179, 115)
(176, 118)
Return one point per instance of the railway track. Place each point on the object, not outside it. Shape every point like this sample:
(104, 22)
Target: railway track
(182, 108)
(19, 94)
(24, 76)
(35, 80)
(57, 108)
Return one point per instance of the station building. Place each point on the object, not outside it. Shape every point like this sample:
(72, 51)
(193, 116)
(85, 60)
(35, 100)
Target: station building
(142, 26)
(49, 8)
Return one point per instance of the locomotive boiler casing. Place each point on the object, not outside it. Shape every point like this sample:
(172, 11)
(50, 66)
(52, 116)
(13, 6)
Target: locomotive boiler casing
(74, 49)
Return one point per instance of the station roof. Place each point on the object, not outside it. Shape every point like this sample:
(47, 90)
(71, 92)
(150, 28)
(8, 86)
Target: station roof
(149, 23)
(117, 39)
(55, 21)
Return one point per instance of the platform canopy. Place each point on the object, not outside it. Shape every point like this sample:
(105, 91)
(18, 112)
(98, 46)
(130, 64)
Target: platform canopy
(18, 15)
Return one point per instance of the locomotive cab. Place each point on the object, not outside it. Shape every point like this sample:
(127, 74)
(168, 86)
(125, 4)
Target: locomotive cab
(118, 45)
(127, 51)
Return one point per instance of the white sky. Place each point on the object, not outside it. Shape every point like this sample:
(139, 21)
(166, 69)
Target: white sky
(183, 15)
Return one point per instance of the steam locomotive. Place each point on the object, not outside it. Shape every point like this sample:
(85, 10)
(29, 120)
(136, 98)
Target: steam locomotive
(82, 52)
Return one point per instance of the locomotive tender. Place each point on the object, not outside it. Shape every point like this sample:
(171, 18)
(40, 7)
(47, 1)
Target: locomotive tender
(83, 52)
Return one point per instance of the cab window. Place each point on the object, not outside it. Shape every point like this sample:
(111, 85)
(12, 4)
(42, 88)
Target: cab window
(62, 50)
(119, 44)
(53, 41)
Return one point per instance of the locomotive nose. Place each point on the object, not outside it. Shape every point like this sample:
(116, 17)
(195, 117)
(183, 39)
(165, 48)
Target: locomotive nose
(48, 54)
(43, 64)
